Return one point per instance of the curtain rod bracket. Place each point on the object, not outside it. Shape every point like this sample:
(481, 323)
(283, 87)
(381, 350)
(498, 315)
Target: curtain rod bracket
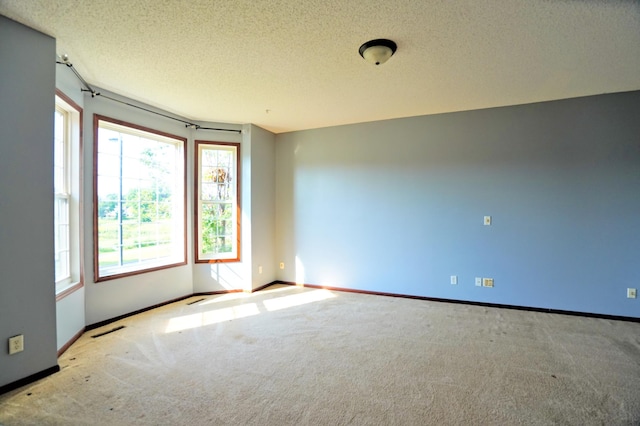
(93, 92)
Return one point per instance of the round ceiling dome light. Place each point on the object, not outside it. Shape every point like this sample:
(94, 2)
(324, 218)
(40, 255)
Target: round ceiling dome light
(378, 51)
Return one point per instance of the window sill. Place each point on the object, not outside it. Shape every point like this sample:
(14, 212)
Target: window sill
(67, 289)
(149, 267)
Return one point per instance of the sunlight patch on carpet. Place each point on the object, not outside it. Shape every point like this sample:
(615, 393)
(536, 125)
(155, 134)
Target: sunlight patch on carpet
(297, 299)
(201, 319)
(224, 298)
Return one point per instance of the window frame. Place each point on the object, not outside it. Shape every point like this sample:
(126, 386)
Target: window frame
(130, 270)
(73, 193)
(197, 237)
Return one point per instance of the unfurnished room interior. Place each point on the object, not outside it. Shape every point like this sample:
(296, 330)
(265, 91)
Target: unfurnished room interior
(320, 212)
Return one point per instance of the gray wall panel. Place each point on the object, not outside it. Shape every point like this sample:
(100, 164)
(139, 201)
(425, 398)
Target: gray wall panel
(27, 288)
(397, 206)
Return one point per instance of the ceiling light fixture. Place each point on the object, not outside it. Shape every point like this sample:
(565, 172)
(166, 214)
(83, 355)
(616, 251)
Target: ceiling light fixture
(378, 51)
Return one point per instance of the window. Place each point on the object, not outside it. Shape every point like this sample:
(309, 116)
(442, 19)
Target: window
(139, 199)
(62, 196)
(67, 189)
(217, 208)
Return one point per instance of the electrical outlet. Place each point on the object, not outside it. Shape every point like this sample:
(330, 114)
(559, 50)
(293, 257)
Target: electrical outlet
(281, 265)
(454, 279)
(487, 282)
(16, 344)
(478, 282)
(487, 220)
(631, 293)
(259, 269)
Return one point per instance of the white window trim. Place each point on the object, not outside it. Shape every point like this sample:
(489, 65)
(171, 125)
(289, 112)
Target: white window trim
(72, 191)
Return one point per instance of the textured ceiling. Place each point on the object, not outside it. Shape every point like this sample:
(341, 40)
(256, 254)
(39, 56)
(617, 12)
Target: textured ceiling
(293, 64)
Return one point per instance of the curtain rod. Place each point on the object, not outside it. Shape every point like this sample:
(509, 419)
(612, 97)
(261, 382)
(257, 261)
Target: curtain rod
(64, 60)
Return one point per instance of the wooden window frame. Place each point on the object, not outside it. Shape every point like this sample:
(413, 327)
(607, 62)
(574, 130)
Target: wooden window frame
(97, 118)
(196, 207)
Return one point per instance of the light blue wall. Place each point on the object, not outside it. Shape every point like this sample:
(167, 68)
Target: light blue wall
(70, 318)
(263, 209)
(397, 206)
(27, 288)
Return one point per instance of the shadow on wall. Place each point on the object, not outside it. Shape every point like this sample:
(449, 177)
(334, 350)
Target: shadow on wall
(227, 276)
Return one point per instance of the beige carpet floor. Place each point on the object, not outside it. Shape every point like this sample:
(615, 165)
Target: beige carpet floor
(298, 356)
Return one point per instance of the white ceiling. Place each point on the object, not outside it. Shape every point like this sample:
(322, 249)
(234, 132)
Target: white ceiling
(293, 64)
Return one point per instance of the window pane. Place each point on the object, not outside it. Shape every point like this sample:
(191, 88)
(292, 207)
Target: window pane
(61, 206)
(163, 250)
(60, 150)
(61, 238)
(62, 265)
(131, 254)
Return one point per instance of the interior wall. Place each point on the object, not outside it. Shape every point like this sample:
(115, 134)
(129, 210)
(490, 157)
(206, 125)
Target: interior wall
(70, 315)
(263, 212)
(397, 206)
(27, 287)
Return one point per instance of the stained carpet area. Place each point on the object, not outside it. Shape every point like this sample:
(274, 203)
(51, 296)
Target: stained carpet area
(293, 356)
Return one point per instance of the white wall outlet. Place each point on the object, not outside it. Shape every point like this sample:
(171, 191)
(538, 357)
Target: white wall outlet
(631, 293)
(259, 269)
(478, 282)
(487, 220)
(281, 265)
(487, 282)
(454, 279)
(16, 344)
